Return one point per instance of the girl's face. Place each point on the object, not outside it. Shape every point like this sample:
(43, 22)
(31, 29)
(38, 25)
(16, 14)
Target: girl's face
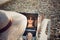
(30, 21)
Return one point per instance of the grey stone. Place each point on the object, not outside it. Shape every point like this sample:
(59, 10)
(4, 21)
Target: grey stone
(4, 1)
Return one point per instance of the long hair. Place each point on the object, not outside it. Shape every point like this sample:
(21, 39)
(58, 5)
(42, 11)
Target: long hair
(34, 20)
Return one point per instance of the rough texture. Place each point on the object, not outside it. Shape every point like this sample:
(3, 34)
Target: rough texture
(44, 6)
(5, 1)
(28, 6)
(49, 7)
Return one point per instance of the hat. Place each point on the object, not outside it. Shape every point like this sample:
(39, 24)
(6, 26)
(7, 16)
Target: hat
(15, 22)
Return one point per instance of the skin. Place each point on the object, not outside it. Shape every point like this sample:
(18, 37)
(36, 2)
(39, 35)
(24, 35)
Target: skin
(30, 22)
(29, 36)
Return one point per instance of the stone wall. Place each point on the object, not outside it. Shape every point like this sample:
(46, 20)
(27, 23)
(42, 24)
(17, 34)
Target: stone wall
(44, 6)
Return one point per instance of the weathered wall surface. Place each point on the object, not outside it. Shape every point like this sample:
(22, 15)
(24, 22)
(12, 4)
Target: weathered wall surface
(49, 7)
(44, 6)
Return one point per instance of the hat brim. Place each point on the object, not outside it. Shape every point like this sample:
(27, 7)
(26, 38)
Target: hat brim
(18, 26)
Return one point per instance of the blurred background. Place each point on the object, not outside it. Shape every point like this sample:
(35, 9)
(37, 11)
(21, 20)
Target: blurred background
(51, 8)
